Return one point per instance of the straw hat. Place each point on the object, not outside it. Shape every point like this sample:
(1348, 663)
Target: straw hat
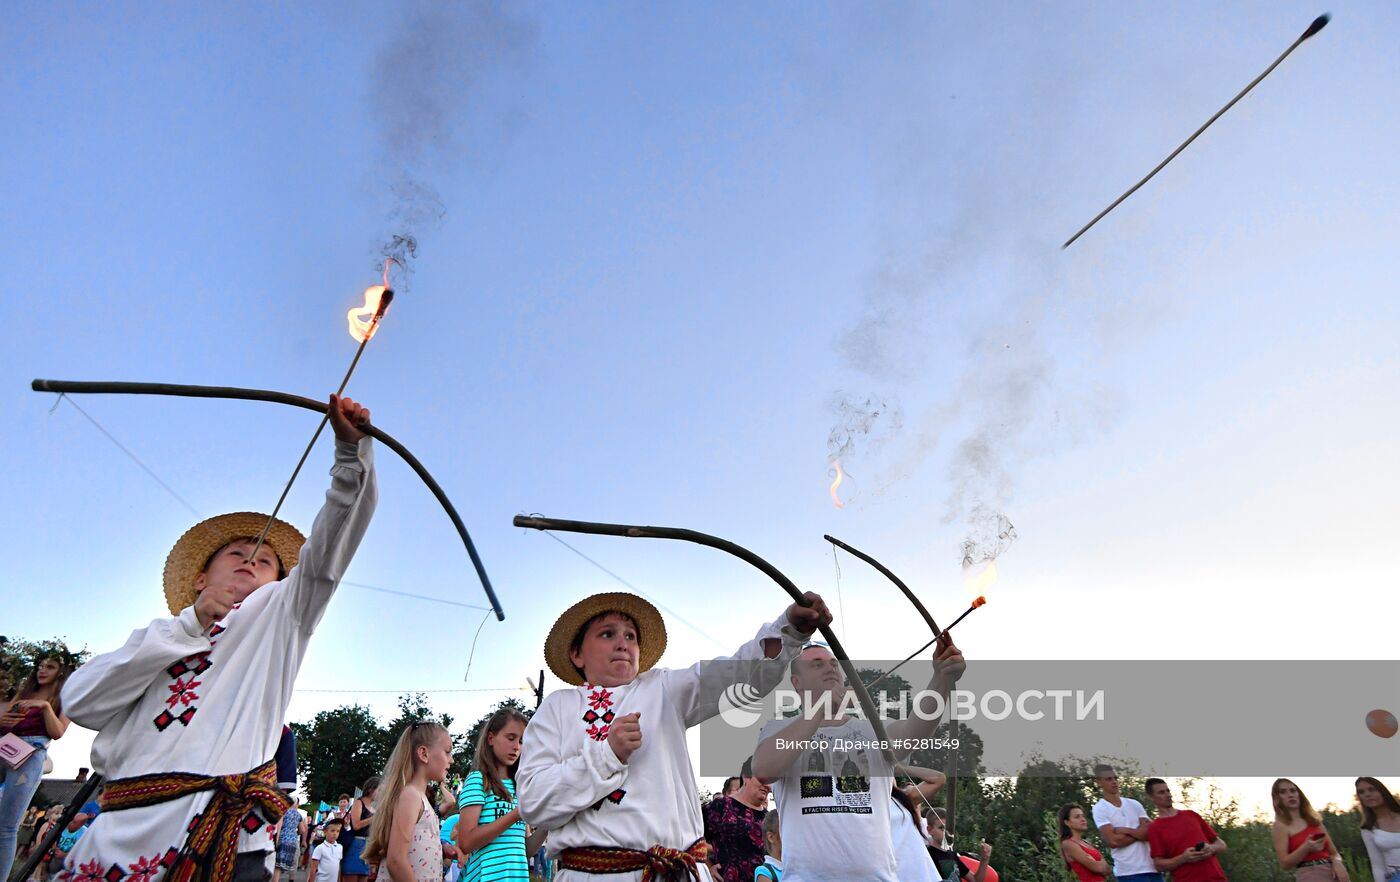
(651, 631)
(193, 550)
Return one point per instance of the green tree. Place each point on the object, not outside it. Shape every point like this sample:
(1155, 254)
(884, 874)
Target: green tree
(338, 750)
(413, 708)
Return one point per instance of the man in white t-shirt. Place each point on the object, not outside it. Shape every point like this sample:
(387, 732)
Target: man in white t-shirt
(833, 812)
(325, 858)
(1123, 822)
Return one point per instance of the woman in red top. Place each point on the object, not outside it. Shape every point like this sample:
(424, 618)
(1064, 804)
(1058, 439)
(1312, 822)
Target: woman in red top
(35, 716)
(1300, 841)
(1086, 861)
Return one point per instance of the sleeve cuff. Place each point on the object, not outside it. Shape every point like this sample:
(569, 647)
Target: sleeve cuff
(359, 454)
(792, 638)
(606, 762)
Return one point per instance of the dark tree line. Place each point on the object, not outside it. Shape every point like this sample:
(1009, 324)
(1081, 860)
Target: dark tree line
(339, 749)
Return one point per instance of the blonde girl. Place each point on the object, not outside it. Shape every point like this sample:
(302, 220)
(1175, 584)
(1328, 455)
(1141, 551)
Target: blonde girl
(403, 838)
(490, 829)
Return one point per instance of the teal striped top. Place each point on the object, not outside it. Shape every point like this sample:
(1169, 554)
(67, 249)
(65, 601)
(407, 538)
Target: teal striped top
(503, 859)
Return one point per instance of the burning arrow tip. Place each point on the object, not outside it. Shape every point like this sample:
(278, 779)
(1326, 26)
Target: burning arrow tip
(840, 476)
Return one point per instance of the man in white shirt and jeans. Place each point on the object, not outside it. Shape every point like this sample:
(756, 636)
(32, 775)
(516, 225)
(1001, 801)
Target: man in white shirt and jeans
(1123, 822)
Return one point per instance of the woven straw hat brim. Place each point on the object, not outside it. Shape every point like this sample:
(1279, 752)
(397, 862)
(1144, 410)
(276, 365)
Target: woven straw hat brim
(651, 637)
(193, 550)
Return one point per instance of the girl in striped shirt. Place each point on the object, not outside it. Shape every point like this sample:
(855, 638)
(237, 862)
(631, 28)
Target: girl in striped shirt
(490, 827)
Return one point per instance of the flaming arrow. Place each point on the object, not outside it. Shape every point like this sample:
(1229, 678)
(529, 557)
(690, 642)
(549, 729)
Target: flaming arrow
(867, 706)
(950, 767)
(1318, 24)
(70, 387)
(377, 300)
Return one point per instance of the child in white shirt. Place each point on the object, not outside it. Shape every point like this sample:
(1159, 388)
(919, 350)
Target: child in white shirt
(325, 859)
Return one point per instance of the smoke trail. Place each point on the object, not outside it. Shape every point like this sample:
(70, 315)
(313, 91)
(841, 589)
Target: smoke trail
(990, 533)
(965, 296)
(860, 421)
(428, 80)
(858, 418)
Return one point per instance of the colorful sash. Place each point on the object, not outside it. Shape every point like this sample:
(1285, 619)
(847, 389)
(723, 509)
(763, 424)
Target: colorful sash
(211, 843)
(656, 863)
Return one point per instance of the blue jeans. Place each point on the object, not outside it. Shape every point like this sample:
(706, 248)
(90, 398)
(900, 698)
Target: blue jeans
(1140, 877)
(18, 790)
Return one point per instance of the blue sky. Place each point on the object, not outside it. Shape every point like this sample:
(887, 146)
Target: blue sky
(664, 227)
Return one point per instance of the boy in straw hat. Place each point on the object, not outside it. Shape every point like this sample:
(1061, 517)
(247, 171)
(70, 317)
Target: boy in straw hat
(189, 712)
(604, 766)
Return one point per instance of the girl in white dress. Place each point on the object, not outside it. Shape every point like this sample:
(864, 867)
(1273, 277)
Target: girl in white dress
(403, 839)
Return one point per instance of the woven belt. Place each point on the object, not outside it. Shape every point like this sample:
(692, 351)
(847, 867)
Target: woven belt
(1316, 862)
(656, 863)
(211, 843)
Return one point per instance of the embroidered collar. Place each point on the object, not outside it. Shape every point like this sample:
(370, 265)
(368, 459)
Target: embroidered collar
(600, 704)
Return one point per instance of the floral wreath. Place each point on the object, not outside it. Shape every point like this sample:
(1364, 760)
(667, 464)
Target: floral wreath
(19, 657)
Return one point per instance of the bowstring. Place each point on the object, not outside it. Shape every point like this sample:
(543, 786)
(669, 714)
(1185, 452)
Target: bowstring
(471, 655)
(840, 601)
(64, 396)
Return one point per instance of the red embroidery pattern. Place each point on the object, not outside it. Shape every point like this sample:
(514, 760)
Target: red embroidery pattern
(599, 717)
(598, 700)
(183, 694)
(615, 798)
(145, 869)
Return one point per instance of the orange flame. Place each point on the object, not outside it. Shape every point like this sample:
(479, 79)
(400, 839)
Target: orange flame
(978, 584)
(362, 318)
(840, 476)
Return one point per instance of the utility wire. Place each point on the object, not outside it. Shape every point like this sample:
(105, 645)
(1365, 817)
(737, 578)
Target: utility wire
(415, 596)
